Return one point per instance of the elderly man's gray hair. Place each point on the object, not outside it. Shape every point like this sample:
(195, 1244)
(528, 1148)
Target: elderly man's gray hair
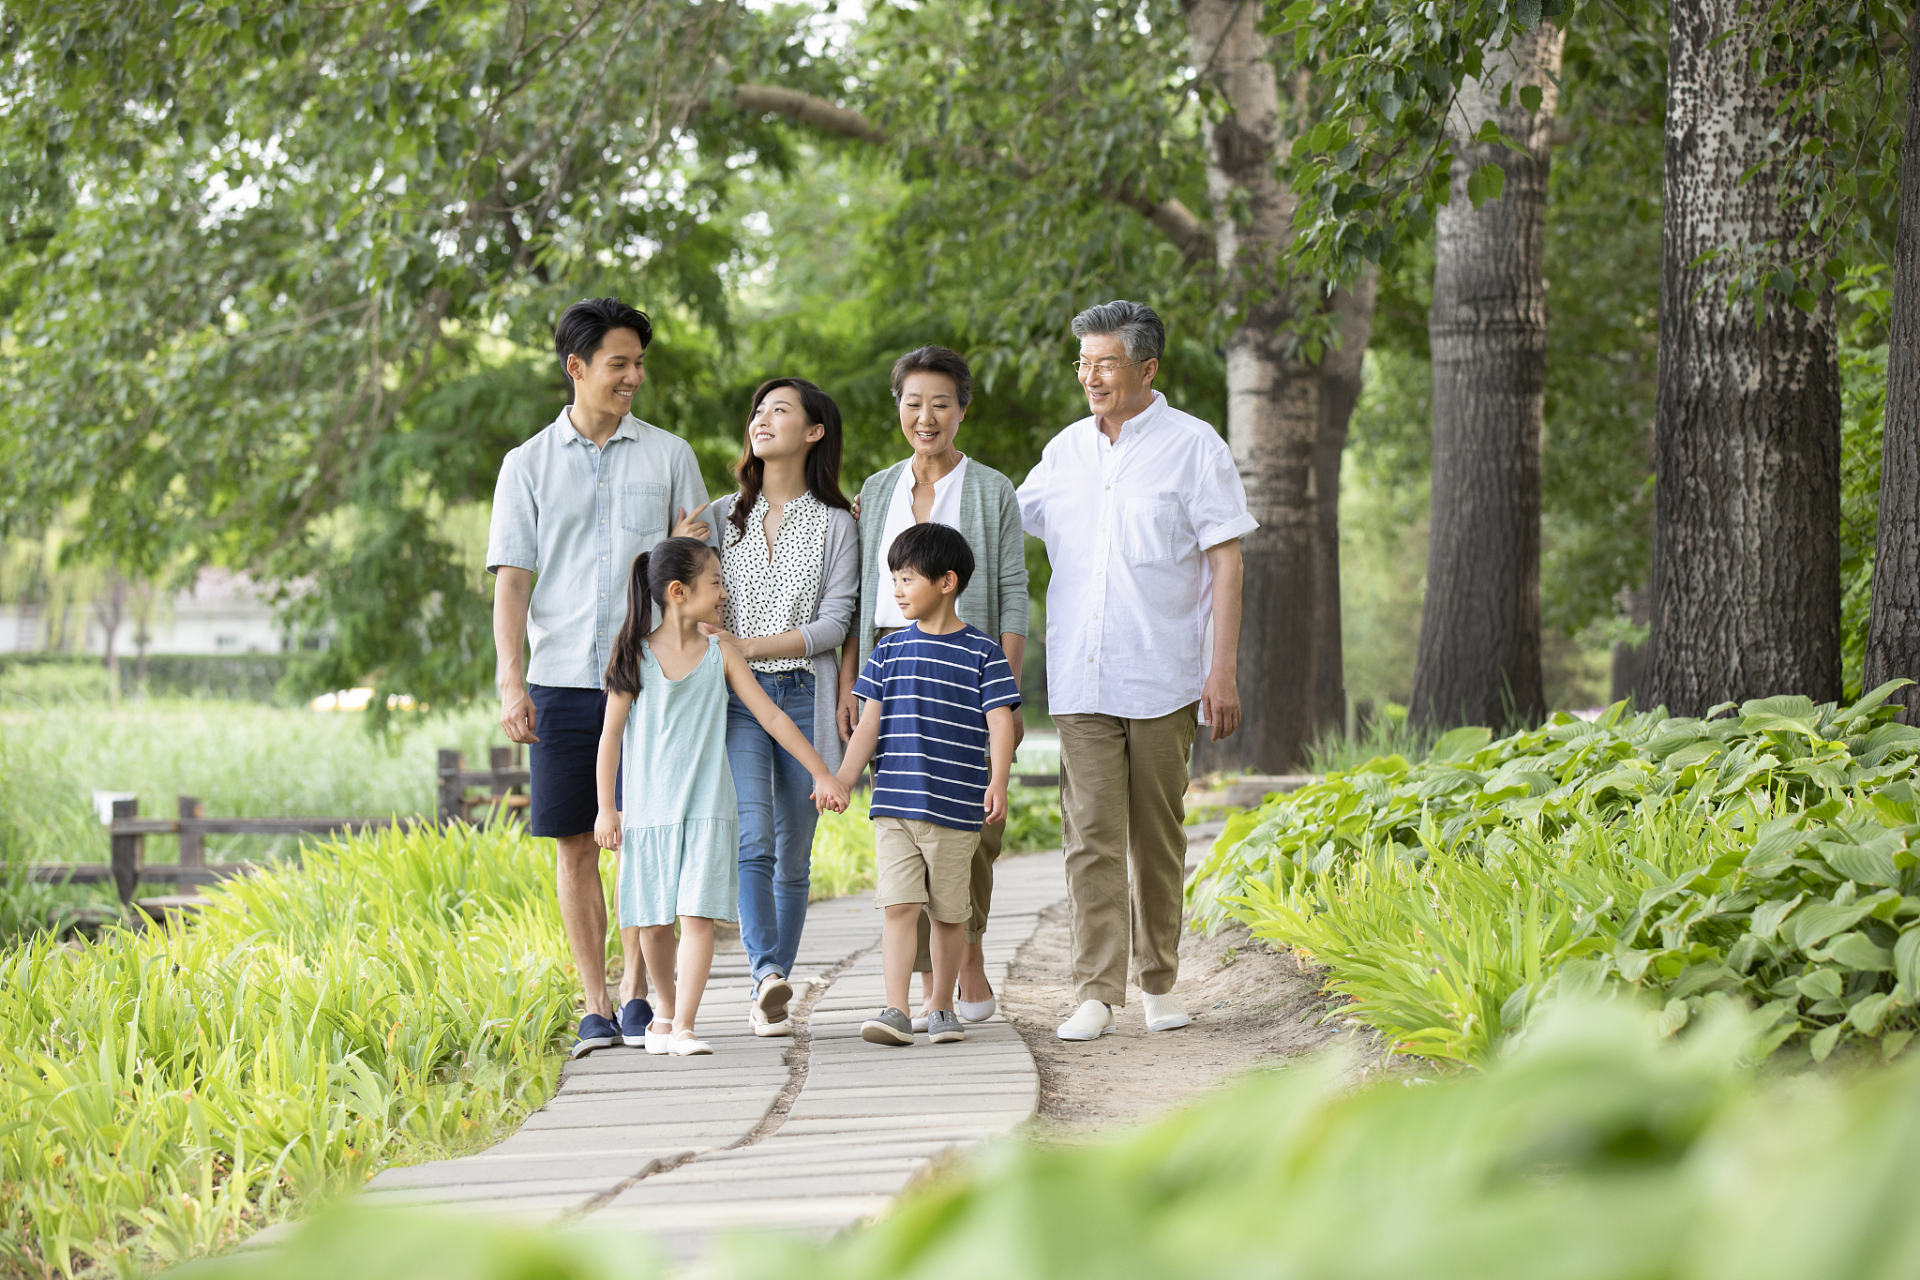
(1134, 322)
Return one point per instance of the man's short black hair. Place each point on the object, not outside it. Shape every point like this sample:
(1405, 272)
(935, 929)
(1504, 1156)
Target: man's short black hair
(933, 551)
(584, 325)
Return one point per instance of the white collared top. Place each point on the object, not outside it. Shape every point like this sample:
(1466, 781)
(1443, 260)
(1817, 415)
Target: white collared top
(1127, 526)
(578, 515)
(945, 510)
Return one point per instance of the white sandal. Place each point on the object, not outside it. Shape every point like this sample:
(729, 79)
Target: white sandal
(687, 1045)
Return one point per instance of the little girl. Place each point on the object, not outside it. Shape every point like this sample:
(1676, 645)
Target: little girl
(679, 839)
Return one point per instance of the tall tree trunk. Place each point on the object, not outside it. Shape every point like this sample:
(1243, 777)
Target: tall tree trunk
(1746, 542)
(1339, 392)
(1478, 660)
(1273, 395)
(1630, 660)
(1893, 626)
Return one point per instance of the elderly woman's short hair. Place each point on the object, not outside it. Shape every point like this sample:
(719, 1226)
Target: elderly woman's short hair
(941, 360)
(1134, 323)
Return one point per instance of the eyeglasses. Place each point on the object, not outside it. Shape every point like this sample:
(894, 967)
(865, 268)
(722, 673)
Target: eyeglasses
(1105, 368)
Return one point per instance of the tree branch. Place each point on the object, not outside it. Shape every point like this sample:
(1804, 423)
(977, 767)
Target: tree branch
(1175, 221)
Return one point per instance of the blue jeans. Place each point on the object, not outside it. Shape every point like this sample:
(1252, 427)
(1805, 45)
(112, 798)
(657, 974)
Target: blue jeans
(776, 824)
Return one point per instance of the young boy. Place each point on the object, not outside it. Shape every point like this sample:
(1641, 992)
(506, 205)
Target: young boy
(940, 708)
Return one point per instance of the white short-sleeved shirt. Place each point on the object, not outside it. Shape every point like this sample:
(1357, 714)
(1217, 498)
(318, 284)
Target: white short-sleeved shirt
(945, 510)
(577, 516)
(1127, 526)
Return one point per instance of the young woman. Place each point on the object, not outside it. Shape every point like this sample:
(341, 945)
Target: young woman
(932, 387)
(790, 555)
(667, 690)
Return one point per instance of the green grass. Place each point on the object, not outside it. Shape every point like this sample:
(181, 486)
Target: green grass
(167, 1093)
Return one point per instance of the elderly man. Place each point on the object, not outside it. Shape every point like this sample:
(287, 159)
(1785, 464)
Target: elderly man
(1142, 512)
(575, 505)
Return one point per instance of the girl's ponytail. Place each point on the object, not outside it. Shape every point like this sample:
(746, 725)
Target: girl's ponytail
(623, 667)
(671, 560)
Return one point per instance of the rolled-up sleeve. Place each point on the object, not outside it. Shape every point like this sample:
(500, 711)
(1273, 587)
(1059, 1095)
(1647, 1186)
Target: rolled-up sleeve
(512, 533)
(1216, 500)
(839, 587)
(1013, 566)
(1032, 500)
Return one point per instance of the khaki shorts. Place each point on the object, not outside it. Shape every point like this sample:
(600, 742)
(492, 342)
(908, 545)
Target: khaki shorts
(917, 861)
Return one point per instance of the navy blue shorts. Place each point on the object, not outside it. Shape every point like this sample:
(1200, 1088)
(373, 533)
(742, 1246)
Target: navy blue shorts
(565, 799)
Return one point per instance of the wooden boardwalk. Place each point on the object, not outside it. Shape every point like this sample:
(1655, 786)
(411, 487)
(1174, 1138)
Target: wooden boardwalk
(807, 1135)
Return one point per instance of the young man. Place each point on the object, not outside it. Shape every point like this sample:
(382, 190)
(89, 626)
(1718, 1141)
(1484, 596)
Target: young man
(1142, 512)
(941, 710)
(575, 505)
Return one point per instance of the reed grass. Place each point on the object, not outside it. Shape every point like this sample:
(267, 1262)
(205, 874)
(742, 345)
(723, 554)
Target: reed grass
(167, 1093)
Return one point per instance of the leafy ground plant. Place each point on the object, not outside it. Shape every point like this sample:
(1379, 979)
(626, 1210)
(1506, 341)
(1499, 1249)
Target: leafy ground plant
(1763, 857)
(167, 1093)
(1594, 1150)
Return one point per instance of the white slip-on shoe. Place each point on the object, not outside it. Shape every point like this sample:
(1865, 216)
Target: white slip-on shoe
(685, 1044)
(772, 997)
(659, 1033)
(1089, 1022)
(758, 1024)
(1163, 1013)
(976, 1010)
(919, 1020)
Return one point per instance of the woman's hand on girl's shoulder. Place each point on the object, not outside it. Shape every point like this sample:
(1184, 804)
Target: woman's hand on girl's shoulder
(606, 829)
(829, 793)
(726, 638)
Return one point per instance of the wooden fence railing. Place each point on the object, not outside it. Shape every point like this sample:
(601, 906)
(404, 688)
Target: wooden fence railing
(127, 866)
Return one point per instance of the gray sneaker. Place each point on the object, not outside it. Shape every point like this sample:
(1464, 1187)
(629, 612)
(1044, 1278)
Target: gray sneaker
(889, 1026)
(943, 1027)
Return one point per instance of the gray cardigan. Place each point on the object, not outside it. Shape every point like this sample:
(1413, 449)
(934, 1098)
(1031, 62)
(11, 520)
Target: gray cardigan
(995, 600)
(832, 616)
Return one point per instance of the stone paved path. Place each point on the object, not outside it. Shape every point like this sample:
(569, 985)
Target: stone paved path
(808, 1135)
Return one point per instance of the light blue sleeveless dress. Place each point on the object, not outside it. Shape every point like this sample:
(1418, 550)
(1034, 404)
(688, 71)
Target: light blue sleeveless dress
(680, 830)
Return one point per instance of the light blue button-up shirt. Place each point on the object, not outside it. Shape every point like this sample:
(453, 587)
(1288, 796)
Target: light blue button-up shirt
(577, 516)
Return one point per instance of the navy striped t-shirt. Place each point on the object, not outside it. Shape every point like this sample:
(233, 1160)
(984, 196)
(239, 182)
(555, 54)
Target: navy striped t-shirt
(934, 694)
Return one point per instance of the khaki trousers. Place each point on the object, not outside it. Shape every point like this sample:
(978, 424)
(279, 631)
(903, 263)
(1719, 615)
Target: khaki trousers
(1123, 799)
(980, 881)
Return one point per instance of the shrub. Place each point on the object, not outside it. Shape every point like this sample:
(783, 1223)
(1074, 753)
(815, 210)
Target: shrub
(1762, 857)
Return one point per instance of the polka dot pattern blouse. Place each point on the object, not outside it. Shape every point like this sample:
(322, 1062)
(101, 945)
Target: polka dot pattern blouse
(771, 594)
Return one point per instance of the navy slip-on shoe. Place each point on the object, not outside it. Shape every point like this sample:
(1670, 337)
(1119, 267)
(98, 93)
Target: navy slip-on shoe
(595, 1033)
(634, 1017)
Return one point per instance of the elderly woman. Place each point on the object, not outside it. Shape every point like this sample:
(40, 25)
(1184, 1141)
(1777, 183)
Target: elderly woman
(938, 483)
(790, 560)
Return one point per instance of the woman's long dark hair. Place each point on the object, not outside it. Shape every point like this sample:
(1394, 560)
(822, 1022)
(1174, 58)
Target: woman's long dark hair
(823, 459)
(672, 560)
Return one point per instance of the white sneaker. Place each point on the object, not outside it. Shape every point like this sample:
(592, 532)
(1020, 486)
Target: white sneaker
(1163, 1013)
(1089, 1022)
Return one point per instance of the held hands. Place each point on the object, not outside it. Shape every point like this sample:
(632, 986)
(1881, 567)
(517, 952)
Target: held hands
(997, 802)
(692, 526)
(829, 793)
(606, 829)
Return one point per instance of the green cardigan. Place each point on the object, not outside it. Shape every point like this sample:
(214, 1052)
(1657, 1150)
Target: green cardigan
(995, 599)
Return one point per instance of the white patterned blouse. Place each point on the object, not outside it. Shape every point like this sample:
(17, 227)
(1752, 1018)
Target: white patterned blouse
(770, 594)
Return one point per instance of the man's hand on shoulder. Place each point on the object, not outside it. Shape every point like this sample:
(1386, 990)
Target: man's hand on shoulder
(517, 714)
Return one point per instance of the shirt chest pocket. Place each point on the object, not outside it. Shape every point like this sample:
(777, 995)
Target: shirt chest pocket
(1150, 530)
(643, 509)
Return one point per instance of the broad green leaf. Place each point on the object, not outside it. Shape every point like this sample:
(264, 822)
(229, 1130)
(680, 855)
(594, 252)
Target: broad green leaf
(1906, 961)
(1872, 700)
(1459, 744)
(1821, 984)
(1858, 952)
(1822, 1044)
(1865, 863)
(1866, 1014)
(1768, 915)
